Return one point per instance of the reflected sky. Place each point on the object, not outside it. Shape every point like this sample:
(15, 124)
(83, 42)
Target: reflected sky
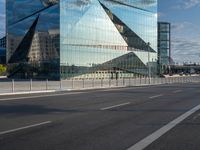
(88, 35)
(48, 22)
(148, 5)
(85, 22)
(89, 28)
(19, 10)
(50, 15)
(141, 22)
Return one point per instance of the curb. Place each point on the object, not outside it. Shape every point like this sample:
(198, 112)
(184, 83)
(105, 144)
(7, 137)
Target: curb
(28, 92)
(69, 90)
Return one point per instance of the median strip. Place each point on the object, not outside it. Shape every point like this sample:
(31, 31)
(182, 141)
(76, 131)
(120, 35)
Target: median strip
(26, 127)
(156, 96)
(119, 105)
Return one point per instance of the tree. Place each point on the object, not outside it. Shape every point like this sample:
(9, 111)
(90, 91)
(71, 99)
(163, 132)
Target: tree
(2, 70)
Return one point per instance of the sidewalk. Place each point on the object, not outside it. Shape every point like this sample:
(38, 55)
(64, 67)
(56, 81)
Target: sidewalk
(10, 87)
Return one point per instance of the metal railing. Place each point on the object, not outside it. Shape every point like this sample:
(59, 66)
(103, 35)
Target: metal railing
(12, 86)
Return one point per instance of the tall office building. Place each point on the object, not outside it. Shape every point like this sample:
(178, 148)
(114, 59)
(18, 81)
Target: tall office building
(164, 45)
(81, 38)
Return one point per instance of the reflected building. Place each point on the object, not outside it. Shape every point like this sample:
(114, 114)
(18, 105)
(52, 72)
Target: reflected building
(3, 42)
(81, 38)
(44, 46)
(3, 50)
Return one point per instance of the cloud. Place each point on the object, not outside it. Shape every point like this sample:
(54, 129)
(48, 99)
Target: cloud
(186, 4)
(185, 42)
(183, 29)
(161, 14)
(180, 26)
(184, 50)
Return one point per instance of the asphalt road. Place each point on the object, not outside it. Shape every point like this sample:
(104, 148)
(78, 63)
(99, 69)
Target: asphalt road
(106, 119)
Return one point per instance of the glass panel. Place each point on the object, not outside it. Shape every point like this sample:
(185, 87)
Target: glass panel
(94, 45)
(33, 32)
(142, 22)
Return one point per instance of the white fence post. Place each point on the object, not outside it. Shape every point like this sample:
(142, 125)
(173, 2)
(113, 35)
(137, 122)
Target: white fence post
(47, 84)
(13, 85)
(30, 84)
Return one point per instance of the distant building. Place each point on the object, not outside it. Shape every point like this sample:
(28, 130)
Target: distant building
(164, 45)
(3, 50)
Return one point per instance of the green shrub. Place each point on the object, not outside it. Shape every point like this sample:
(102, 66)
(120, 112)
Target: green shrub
(2, 70)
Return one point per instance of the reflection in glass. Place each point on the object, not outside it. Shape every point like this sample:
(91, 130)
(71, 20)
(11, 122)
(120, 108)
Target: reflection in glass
(33, 40)
(81, 38)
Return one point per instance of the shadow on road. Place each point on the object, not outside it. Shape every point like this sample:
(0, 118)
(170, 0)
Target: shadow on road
(32, 109)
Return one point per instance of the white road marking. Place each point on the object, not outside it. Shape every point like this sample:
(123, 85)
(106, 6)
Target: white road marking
(177, 91)
(121, 88)
(155, 96)
(110, 107)
(31, 97)
(26, 127)
(157, 134)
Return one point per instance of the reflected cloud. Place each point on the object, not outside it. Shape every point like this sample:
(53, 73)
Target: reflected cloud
(76, 5)
(142, 4)
(48, 3)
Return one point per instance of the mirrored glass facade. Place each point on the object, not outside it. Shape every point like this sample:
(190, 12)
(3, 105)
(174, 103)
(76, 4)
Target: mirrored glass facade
(33, 37)
(164, 42)
(82, 38)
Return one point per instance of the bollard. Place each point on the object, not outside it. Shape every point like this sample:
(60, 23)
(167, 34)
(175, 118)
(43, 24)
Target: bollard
(13, 85)
(46, 84)
(109, 82)
(30, 84)
(149, 80)
(60, 84)
(83, 83)
(93, 82)
(135, 81)
(145, 80)
(101, 82)
(72, 83)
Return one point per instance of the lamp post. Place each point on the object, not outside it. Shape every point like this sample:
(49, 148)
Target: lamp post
(149, 67)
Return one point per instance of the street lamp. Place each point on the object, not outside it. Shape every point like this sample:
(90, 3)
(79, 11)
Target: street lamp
(149, 67)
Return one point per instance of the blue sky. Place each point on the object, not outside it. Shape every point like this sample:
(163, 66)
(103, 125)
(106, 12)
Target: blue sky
(184, 16)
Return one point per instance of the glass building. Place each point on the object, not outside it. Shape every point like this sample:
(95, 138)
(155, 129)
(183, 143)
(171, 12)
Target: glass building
(164, 42)
(3, 50)
(59, 39)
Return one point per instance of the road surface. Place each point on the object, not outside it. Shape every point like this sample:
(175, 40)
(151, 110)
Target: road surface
(163, 117)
